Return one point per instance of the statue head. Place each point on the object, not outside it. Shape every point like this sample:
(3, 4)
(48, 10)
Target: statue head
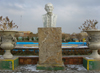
(49, 7)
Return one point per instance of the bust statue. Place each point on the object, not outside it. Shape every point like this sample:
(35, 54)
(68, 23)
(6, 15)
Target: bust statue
(49, 19)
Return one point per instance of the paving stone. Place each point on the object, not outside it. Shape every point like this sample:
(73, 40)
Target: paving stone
(23, 70)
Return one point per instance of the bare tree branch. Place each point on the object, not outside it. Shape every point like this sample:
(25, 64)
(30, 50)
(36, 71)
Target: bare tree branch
(6, 24)
(89, 25)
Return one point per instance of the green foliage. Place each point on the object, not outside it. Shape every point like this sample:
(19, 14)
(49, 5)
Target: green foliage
(63, 39)
(17, 38)
(67, 40)
(27, 38)
(32, 39)
(37, 38)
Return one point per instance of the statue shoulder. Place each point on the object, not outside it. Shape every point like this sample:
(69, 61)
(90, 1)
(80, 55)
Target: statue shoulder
(44, 15)
(55, 15)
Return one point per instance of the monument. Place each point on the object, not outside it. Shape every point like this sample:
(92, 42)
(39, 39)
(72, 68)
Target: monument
(50, 42)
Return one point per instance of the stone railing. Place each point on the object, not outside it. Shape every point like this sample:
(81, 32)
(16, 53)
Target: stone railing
(70, 55)
(35, 51)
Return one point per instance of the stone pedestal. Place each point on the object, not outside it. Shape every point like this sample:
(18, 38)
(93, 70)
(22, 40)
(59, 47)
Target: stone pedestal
(50, 51)
(91, 64)
(9, 64)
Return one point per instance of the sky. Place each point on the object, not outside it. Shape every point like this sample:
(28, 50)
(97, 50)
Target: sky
(71, 14)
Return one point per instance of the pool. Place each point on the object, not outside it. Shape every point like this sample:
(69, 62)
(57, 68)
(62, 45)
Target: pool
(26, 44)
(63, 44)
(33, 44)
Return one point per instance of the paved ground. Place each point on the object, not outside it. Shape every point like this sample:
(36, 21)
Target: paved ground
(32, 69)
(68, 69)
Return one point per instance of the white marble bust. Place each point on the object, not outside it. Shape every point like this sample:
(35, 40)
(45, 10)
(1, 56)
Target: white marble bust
(49, 19)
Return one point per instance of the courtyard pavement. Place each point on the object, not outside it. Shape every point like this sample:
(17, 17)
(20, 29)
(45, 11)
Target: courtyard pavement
(68, 68)
(32, 69)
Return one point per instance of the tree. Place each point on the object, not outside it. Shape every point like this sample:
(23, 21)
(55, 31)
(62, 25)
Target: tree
(84, 35)
(37, 38)
(31, 33)
(79, 37)
(28, 38)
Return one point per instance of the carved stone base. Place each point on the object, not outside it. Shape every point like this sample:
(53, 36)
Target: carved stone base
(7, 54)
(50, 51)
(91, 64)
(50, 67)
(95, 54)
(9, 64)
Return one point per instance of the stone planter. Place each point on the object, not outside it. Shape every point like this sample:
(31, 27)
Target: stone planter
(7, 42)
(93, 42)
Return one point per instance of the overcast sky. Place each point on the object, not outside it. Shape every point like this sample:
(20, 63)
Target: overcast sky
(27, 14)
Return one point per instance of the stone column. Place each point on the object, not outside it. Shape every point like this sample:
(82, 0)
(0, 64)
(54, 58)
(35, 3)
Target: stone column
(50, 51)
